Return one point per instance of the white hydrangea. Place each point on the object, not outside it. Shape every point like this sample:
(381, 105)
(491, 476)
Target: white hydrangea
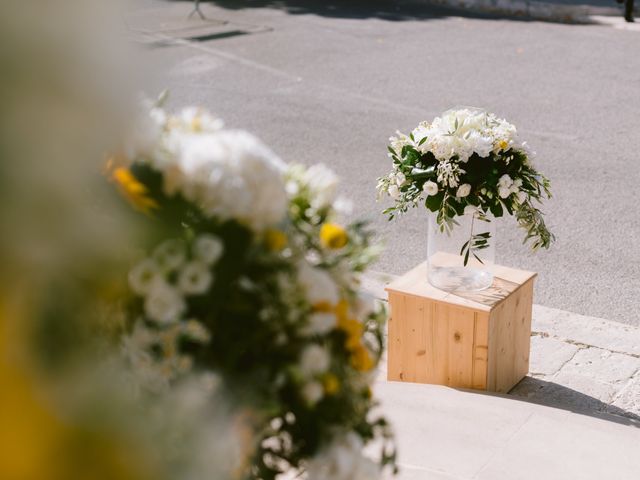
(232, 175)
(318, 285)
(343, 460)
(465, 132)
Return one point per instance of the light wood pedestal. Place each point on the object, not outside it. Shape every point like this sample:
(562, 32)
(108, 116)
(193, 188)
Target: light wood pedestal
(470, 340)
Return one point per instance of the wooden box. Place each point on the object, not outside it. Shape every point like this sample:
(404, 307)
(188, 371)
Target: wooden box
(475, 340)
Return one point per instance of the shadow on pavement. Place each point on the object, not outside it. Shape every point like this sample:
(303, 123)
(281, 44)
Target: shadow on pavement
(554, 395)
(390, 10)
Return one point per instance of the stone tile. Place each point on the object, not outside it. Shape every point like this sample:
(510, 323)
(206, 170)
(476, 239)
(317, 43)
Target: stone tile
(603, 366)
(597, 332)
(447, 430)
(573, 393)
(582, 384)
(556, 445)
(628, 399)
(548, 355)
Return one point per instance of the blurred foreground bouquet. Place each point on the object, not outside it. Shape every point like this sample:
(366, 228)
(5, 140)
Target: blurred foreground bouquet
(252, 279)
(64, 411)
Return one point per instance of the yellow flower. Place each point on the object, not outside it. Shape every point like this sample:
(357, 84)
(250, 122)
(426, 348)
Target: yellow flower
(503, 144)
(323, 307)
(353, 328)
(361, 359)
(333, 236)
(275, 240)
(331, 384)
(342, 311)
(133, 190)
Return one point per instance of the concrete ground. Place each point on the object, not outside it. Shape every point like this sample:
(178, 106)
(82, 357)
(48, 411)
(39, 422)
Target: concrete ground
(449, 434)
(329, 81)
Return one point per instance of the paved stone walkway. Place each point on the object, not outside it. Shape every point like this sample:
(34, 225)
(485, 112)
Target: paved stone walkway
(582, 364)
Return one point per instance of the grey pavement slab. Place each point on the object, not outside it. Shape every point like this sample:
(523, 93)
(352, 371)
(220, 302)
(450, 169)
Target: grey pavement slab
(449, 434)
(328, 82)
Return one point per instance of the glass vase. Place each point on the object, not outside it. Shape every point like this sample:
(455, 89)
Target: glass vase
(461, 259)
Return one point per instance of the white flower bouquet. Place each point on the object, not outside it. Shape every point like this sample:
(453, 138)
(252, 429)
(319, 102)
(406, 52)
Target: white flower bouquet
(467, 161)
(254, 281)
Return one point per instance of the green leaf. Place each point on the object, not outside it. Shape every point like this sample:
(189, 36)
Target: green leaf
(464, 246)
(434, 202)
(496, 209)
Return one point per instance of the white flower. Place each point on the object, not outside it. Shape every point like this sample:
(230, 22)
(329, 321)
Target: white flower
(320, 323)
(314, 360)
(522, 196)
(400, 179)
(196, 119)
(365, 305)
(343, 460)
(312, 392)
(170, 255)
(470, 210)
(430, 188)
(517, 183)
(195, 278)
(398, 142)
(232, 175)
(394, 191)
(449, 173)
(322, 183)
(505, 181)
(463, 190)
(135, 346)
(207, 248)
(318, 284)
(504, 192)
(143, 275)
(164, 304)
(343, 206)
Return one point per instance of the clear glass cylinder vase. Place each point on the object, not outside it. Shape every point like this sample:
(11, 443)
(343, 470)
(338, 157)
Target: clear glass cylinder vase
(461, 259)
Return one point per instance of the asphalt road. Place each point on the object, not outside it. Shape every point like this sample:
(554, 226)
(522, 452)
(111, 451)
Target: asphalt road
(323, 81)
